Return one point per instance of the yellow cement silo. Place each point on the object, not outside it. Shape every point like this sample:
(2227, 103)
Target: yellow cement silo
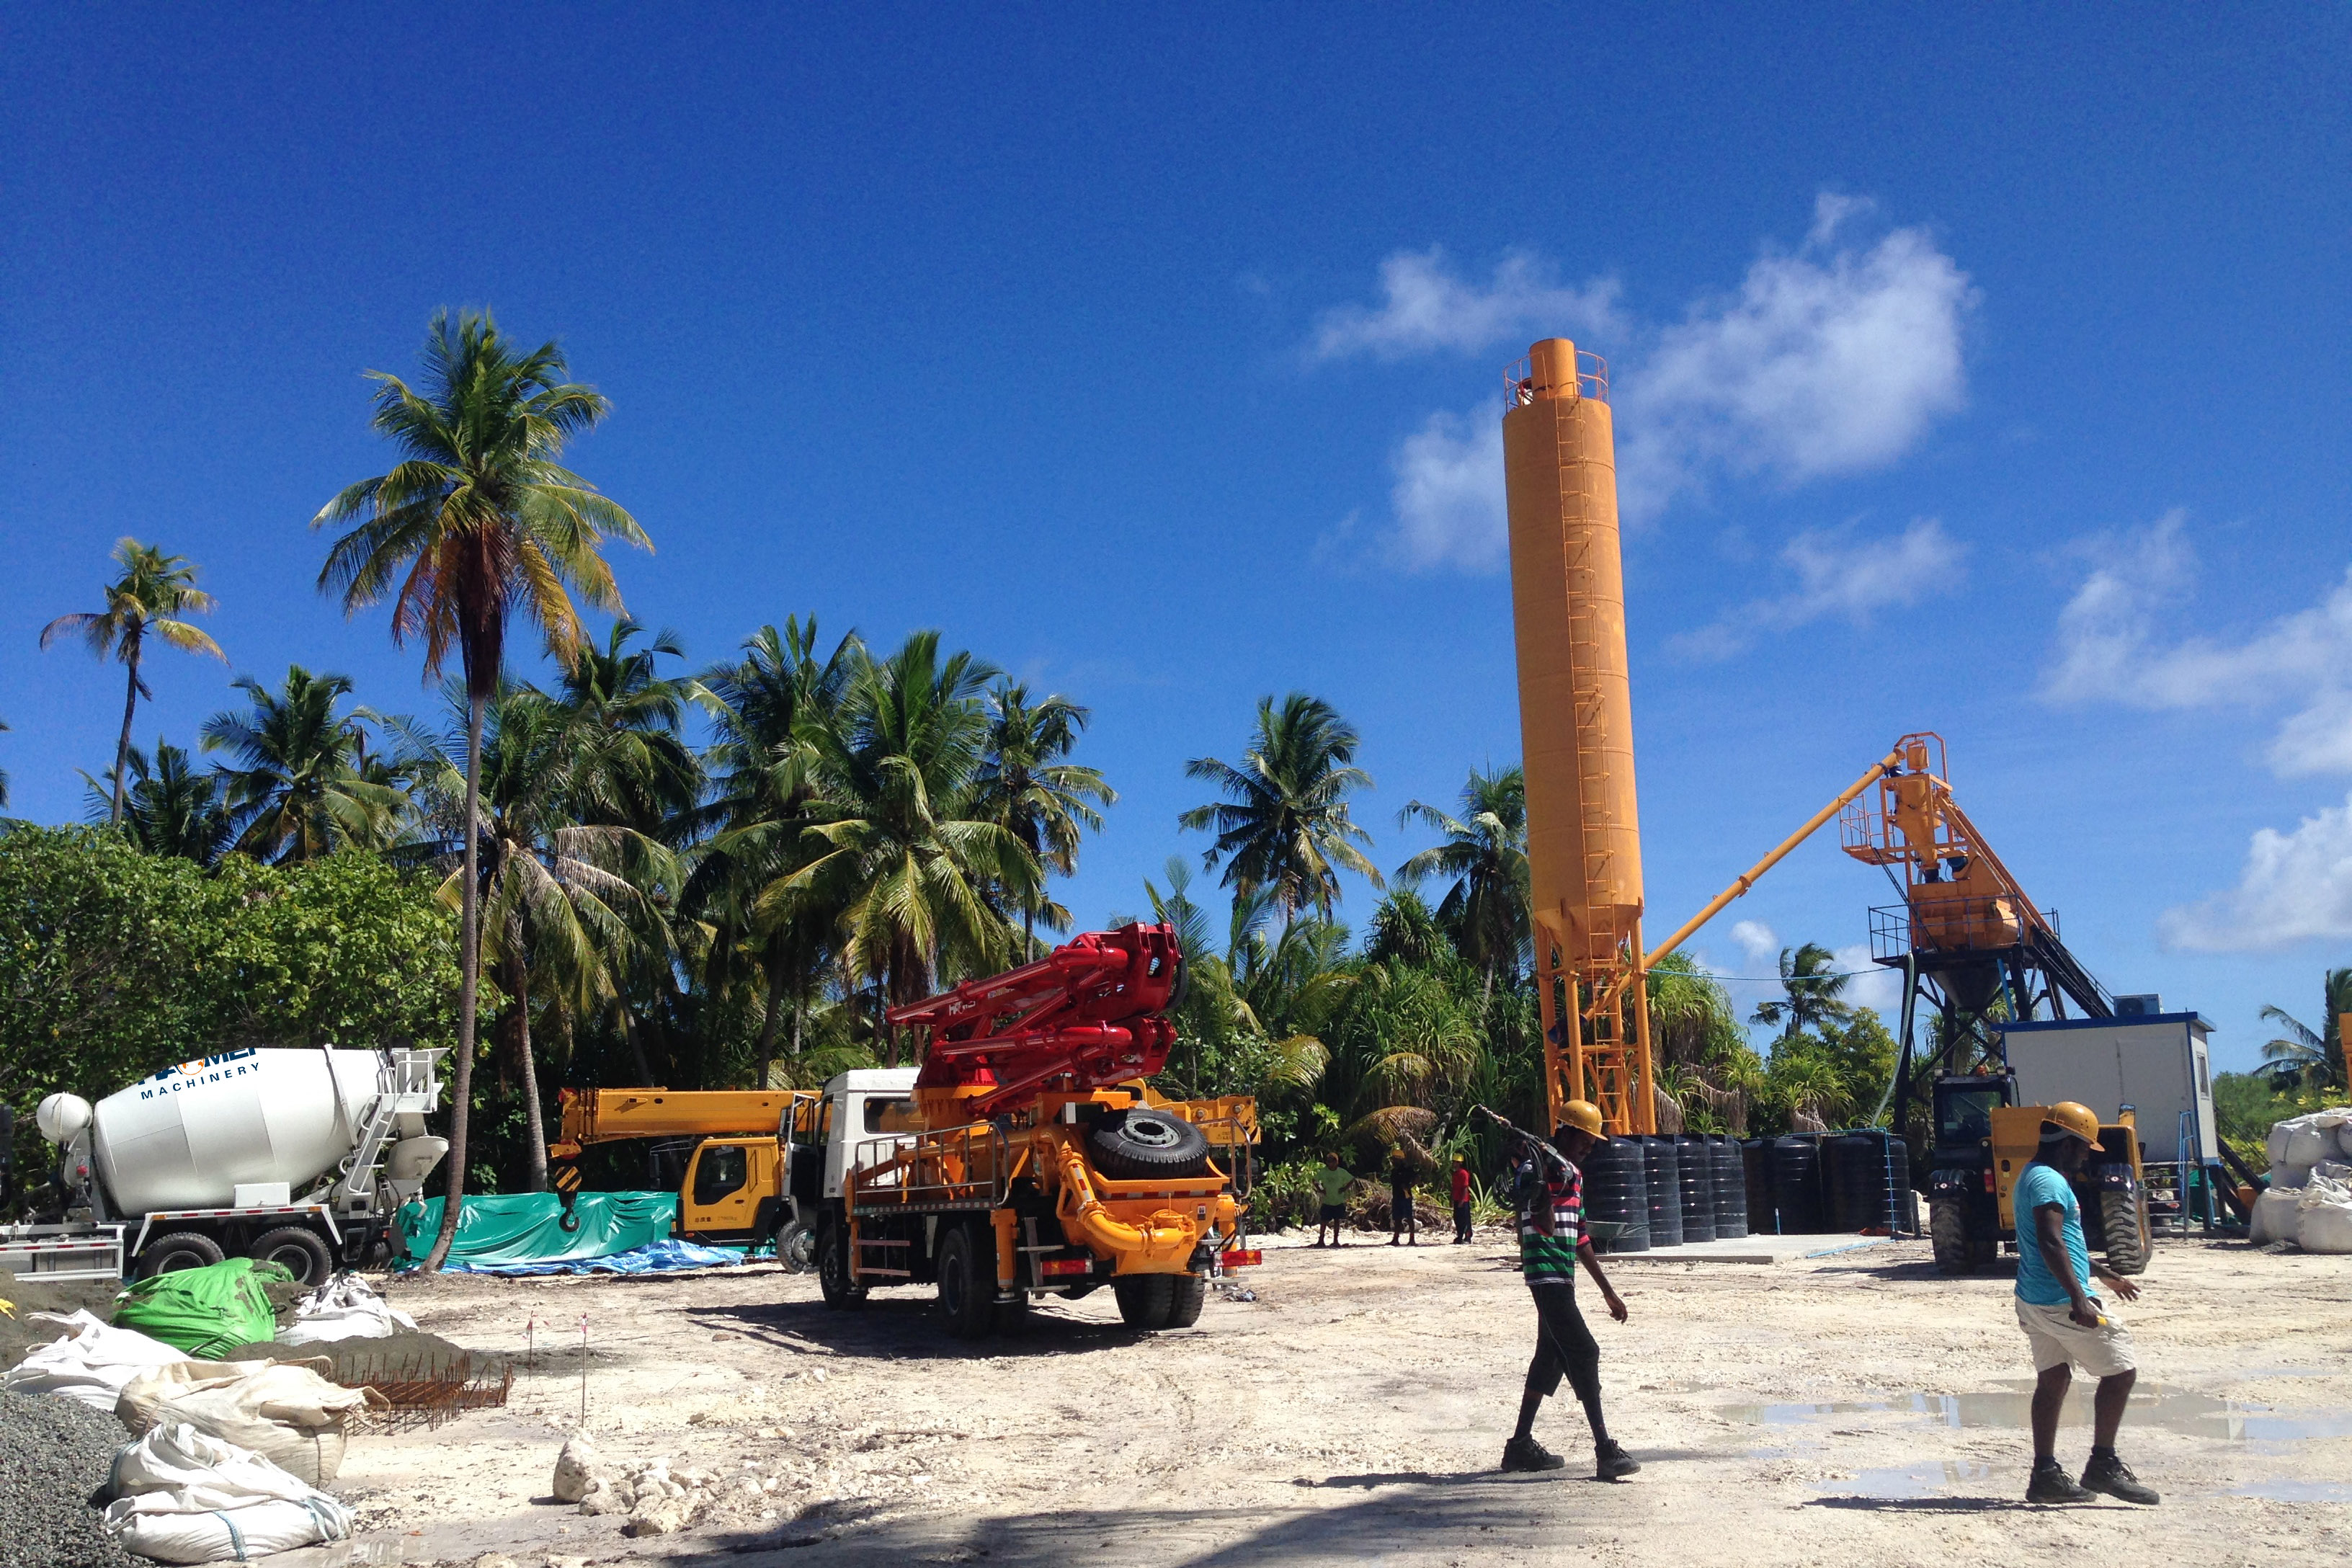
(1576, 723)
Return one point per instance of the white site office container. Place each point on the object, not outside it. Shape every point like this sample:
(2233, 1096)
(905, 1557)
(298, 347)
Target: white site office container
(2155, 1063)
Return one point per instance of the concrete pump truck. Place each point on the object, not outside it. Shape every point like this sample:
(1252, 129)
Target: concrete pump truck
(1028, 1154)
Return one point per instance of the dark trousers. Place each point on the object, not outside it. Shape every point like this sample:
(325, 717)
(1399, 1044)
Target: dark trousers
(1564, 1345)
(1461, 1222)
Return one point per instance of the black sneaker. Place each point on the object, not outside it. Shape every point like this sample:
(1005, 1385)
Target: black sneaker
(2052, 1484)
(2112, 1477)
(1610, 1462)
(1527, 1454)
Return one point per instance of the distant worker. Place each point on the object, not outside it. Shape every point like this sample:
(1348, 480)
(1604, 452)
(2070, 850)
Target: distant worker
(1462, 1191)
(1403, 1221)
(1549, 1190)
(2066, 1325)
(1332, 1181)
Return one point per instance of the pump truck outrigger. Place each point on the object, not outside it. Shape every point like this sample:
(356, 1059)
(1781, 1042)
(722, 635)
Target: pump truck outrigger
(1028, 1156)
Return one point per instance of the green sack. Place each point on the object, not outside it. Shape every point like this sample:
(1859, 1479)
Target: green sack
(206, 1311)
(499, 1228)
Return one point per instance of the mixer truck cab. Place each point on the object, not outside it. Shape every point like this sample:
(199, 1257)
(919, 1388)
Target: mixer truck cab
(298, 1157)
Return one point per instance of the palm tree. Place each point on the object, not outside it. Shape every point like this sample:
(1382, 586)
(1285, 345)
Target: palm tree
(1284, 823)
(1043, 802)
(2300, 1053)
(151, 596)
(476, 522)
(1486, 852)
(171, 809)
(770, 707)
(561, 901)
(1812, 992)
(638, 771)
(307, 785)
(899, 848)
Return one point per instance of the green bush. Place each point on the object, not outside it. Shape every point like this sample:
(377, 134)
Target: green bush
(2245, 1104)
(113, 962)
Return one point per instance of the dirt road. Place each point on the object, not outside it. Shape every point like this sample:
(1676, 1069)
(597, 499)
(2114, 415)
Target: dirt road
(1853, 1409)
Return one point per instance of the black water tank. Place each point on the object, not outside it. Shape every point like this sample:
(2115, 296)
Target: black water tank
(1756, 1155)
(1696, 1176)
(1797, 1185)
(1617, 1195)
(1731, 1187)
(1866, 1173)
(1662, 1169)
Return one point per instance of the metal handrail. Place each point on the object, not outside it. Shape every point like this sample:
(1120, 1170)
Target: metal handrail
(1519, 379)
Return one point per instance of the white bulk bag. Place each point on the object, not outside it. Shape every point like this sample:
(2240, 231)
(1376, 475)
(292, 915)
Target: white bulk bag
(2304, 1145)
(93, 1363)
(2276, 1214)
(282, 1411)
(2291, 1177)
(2323, 1222)
(185, 1497)
(344, 1307)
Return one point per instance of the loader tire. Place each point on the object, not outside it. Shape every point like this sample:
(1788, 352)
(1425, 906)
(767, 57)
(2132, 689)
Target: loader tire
(302, 1251)
(2124, 1224)
(835, 1278)
(1947, 1231)
(967, 1285)
(180, 1250)
(1143, 1145)
(1185, 1301)
(1145, 1300)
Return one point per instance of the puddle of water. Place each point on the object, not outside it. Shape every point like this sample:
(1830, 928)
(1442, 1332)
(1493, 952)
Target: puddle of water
(1914, 1481)
(2174, 1409)
(2277, 1490)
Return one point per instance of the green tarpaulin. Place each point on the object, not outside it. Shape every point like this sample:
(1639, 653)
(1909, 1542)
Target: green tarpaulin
(206, 1311)
(525, 1227)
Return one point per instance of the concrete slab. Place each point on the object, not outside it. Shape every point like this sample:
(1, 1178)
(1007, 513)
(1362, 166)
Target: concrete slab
(1765, 1249)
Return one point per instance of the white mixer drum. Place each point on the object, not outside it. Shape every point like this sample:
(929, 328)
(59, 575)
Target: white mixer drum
(185, 1138)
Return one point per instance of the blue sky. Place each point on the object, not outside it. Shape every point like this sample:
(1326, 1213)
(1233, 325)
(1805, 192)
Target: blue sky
(1982, 373)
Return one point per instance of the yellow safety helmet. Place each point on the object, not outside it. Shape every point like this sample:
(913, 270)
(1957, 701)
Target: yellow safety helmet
(2073, 1119)
(1584, 1116)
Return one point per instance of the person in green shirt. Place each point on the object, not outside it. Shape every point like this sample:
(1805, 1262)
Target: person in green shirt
(1332, 1181)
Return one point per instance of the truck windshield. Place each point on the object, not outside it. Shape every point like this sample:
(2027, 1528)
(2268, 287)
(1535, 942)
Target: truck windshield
(1967, 1116)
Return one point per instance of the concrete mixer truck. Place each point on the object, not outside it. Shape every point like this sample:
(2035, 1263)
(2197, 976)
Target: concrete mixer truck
(301, 1157)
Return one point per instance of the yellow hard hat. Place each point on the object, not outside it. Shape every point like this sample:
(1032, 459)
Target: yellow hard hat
(2074, 1119)
(1584, 1116)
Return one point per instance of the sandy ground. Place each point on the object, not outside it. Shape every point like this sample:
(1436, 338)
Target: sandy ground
(1847, 1409)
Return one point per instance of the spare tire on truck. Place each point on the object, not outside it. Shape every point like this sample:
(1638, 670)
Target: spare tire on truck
(1142, 1145)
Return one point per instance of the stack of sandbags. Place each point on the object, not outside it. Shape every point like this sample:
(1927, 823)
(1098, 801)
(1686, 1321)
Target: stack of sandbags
(2300, 1142)
(93, 1362)
(183, 1497)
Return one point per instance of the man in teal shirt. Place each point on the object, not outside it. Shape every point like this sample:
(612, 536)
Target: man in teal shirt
(2067, 1326)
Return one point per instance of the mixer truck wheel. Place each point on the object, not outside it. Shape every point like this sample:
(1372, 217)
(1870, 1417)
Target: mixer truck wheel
(967, 1285)
(180, 1250)
(1143, 1144)
(1185, 1301)
(1145, 1300)
(303, 1253)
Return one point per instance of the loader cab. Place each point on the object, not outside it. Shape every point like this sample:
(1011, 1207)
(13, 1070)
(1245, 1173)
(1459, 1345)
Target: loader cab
(1963, 1106)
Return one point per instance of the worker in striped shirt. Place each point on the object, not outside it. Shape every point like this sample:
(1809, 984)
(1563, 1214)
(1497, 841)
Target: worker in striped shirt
(1552, 1242)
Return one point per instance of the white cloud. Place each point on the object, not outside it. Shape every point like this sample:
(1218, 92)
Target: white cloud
(1829, 360)
(1424, 308)
(1757, 944)
(1448, 494)
(2112, 647)
(1872, 985)
(1838, 576)
(1833, 359)
(2295, 887)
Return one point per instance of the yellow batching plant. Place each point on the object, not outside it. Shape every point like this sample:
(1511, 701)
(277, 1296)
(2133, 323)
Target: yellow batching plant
(1576, 724)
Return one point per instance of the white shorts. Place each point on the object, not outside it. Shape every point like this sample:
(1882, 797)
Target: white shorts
(2058, 1340)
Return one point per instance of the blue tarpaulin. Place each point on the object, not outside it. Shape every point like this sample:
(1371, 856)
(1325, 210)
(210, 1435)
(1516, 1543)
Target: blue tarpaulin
(654, 1258)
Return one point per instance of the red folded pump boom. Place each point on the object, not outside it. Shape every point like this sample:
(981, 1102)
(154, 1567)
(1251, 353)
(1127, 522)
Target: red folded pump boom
(1087, 1013)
